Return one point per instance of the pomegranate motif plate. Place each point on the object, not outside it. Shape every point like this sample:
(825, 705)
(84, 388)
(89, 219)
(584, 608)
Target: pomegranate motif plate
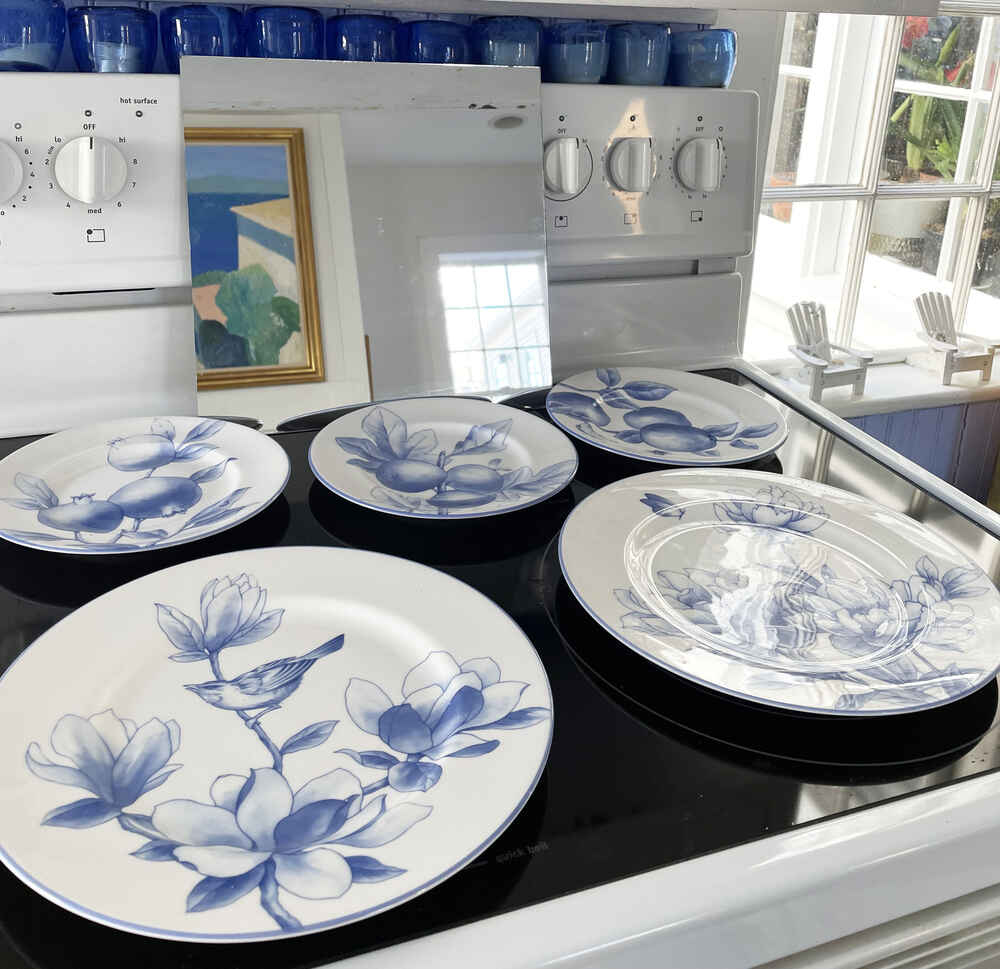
(139, 483)
(442, 457)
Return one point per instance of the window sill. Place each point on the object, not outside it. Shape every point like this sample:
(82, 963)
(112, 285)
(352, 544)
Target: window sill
(899, 387)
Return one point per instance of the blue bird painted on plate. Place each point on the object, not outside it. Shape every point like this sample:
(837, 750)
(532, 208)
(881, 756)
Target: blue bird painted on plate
(264, 687)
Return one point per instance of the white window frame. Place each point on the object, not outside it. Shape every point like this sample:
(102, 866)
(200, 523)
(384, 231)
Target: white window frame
(827, 100)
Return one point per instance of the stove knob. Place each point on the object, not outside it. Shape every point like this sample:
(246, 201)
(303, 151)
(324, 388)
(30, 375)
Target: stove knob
(562, 162)
(90, 170)
(630, 164)
(700, 163)
(11, 172)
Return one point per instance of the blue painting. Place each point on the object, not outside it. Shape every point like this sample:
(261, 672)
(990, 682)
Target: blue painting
(245, 249)
(255, 831)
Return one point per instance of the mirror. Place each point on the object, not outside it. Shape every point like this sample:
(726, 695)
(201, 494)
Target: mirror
(425, 199)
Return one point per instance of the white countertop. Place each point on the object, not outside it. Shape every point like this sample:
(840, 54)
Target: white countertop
(899, 386)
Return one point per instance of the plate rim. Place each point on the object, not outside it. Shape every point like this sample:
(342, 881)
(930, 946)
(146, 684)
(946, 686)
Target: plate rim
(692, 460)
(126, 550)
(398, 512)
(746, 697)
(277, 934)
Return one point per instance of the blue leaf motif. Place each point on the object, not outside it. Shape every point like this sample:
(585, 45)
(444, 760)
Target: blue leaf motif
(362, 447)
(761, 430)
(179, 628)
(156, 850)
(413, 776)
(28, 504)
(483, 438)
(364, 868)
(192, 451)
(88, 812)
(423, 442)
(721, 430)
(35, 488)
(616, 398)
(203, 430)
(608, 376)
(213, 892)
(478, 750)
(518, 719)
(311, 736)
(370, 758)
(218, 509)
(163, 427)
(186, 657)
(386, 429)
(744, 445)
(212, 473)
(629, 437)
(926, 569)
(647, 389)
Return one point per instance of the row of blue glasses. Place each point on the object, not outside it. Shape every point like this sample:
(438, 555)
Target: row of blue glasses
(124, 39)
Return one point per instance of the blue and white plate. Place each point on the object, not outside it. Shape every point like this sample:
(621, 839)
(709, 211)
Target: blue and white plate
(138, 483)
(783, 591)
(666, 416)
(266, 744)
(442, 457)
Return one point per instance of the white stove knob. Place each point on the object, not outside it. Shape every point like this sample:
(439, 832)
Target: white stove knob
(562, 163)
(90, 170)
(630, 164)
(11, 172)
(700, 162)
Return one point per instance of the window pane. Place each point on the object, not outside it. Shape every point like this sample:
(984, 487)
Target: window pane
(983, 314)
(801, 254)
(822, 111)
(530, 325)
(536, 368)
(498, 327)
(468, 371)
(800, 39)
(458, 287)
(912, 248)
(525, 283)
(502, 369)
(463, 330)
(491, 285)
(924, 138)
(939, 50)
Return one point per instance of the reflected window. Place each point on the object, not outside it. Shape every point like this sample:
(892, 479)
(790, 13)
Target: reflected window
(496, 321)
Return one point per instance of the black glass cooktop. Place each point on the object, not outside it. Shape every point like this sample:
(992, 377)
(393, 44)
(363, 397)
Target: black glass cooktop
(645, 770)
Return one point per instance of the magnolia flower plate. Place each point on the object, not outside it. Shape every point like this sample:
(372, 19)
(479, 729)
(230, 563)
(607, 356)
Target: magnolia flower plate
(266, 744)
(138, 483)
(666, 416)
(442, 457)
(783, 591)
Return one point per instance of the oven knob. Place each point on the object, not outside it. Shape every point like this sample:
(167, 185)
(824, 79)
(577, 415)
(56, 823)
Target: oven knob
(90, 169)
(630, 164)
(700, 163)
(563, 165)
(11, 172)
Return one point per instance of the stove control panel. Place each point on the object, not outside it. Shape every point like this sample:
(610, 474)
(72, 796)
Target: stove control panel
(643, 173)
(91, 183)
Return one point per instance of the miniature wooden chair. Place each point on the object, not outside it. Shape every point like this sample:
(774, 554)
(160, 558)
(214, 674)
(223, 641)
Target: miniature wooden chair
(814, 349)
(934, 310)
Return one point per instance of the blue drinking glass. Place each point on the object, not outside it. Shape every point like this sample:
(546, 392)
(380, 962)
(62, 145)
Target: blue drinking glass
(31, 34)
(294, 32)
(507, 41)
(702, 58)
(438, 42)
(196, 28)
(639, 53)
(113, 40)
(361, 37)
(575, 52)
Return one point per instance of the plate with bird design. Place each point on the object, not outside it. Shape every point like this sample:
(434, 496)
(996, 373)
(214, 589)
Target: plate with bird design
(783, 591)
(442, 457)
(265, 744)
(138, 483)
(666, 416)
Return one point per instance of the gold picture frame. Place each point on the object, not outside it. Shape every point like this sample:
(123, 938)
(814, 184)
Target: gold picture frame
(252, 205)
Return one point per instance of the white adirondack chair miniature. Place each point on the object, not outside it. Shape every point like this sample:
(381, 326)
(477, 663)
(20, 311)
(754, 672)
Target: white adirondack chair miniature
(962, 351)
(814, 349)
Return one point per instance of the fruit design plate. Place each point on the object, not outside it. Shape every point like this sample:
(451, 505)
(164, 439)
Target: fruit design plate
(666, 416)
(442, 457)
(141, 483)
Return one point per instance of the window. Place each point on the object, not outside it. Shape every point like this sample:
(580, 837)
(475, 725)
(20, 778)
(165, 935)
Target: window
(498, 335)
(881, 180)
